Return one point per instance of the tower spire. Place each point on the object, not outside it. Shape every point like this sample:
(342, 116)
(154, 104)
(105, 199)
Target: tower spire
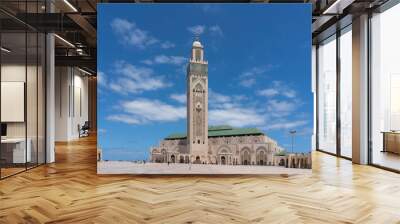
(197, 37)
(197, 103)
(197, 50)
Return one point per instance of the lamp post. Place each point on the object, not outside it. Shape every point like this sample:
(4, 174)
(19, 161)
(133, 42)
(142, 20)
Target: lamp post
(101, 135)
(292, 132)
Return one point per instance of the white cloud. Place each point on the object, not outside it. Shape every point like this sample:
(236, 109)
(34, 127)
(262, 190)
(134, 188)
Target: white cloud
(290, 93)
(278, 88)
(286, 125)
(181, 98)
(153, 110)
(122, 25)
(131, 34)
(216, 98)
(248, 82)
(141, 111)
(253, 72)
(163, 59)
(167, 45)
(123, 118)
(248, 78)
(176, 60)
(133, 79)
(230, 110)
(238, 117)
(223, 109)
(182, 69)
(281, 107)
(101, 78)
(216, 30)
(197, 30)
(240, 97)
(235, 110)
(268, 92)
(147, 62)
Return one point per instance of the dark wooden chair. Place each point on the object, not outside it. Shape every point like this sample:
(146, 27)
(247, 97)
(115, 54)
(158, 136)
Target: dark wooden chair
(84, 130)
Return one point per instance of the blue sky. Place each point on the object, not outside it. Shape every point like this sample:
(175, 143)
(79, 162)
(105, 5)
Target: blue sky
(259, 58)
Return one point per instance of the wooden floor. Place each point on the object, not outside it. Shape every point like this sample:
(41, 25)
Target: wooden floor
(69, 191)
(5, 172)
(386, 159)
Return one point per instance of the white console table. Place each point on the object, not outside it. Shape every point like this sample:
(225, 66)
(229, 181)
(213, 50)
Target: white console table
(19, 155)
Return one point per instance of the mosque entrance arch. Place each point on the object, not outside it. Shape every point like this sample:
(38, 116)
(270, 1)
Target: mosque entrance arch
(164, 155)
(261, 156)
(172, 159)
(224, 155)
(223, 160)
(245, 156)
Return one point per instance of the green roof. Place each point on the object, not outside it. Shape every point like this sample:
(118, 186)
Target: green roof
(220, 131)
(219, 127)
(176, 136)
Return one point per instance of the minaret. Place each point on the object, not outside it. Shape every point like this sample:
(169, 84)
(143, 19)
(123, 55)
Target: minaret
(197, 104)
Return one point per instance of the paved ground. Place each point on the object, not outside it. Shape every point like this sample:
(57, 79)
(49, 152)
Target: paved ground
(126, 167)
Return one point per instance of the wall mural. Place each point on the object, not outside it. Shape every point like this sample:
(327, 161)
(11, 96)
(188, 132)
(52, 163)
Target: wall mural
(204, 89)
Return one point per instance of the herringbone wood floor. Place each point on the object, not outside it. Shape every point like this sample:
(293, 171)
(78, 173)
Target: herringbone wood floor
(69, 191)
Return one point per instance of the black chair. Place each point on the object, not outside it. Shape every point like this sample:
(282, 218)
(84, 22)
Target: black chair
(84, 130)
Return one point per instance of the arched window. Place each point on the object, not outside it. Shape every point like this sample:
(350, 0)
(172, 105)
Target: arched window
(198, 88)
(197, 54)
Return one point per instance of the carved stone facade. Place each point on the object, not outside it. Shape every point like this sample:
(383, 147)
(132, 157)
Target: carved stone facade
(234, 150)
(215, 145)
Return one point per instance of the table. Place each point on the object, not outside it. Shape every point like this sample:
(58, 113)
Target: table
(391, 141)
(13, 150)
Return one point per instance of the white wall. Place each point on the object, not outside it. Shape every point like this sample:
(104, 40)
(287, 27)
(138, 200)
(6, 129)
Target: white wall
(16, 73)
(33, 126)
(62, 82)
(314, 92)
(71, 94)
(13, 100)
(80, 103)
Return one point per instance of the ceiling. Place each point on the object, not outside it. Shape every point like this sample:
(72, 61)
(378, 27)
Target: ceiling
(75, 21)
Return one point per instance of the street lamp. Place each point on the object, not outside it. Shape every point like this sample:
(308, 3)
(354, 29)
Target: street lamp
(292, 132)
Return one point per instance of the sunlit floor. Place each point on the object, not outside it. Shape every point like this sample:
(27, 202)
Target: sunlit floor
(5, 172)
(386, 159)
(70, 191)
(8, 171)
